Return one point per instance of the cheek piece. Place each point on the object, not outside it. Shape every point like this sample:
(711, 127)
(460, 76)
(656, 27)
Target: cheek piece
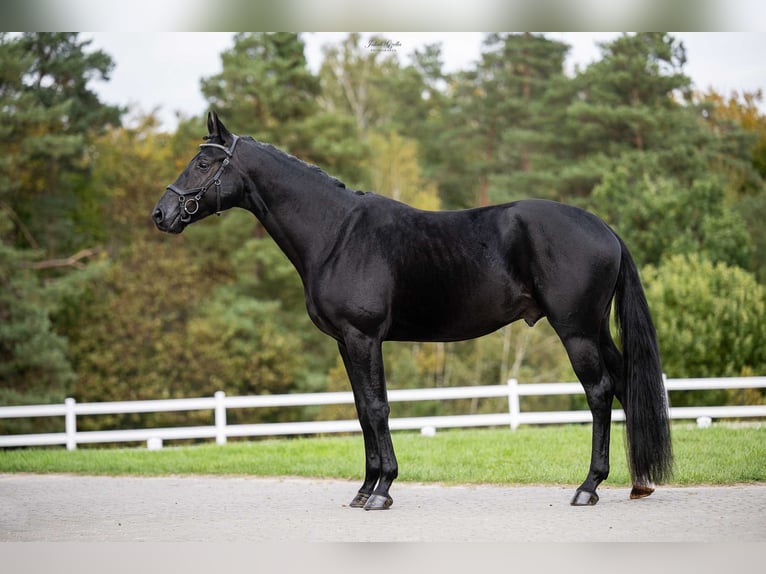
(189, 199)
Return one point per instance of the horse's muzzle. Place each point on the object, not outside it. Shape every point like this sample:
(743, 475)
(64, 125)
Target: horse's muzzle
(164, 224)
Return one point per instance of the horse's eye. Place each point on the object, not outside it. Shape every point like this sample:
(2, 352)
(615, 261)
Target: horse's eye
(203, 165)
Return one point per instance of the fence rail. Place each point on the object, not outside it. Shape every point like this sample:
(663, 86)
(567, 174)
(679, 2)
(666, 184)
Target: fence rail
(220, 403)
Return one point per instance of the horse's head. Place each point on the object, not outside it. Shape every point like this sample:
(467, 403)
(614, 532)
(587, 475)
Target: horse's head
(209, 184)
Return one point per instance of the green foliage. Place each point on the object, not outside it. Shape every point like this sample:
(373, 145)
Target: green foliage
(336, 145)
(740, 124)
(387, 102)
(659, 216)
(354, 79)
(395, 172)
(627, 96)
(33, 358)
(139, 310)
(50, 117)
(521, 75)
(709, 317)
(528, 354)
(244, 347)
(752, 210)
(504, 144)
(266, 88)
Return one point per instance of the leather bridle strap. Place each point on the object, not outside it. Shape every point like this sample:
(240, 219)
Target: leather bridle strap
(190, 205)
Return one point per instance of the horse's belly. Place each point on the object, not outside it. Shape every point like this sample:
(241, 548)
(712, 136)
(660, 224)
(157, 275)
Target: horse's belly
(451, 318)
(441, 333)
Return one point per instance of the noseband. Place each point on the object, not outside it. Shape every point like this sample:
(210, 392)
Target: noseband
(190, 205)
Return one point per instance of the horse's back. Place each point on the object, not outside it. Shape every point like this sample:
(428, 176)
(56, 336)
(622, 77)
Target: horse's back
(452, 275)
(542, 221)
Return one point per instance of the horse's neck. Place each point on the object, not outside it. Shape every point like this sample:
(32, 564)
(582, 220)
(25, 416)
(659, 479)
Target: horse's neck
(301, 209)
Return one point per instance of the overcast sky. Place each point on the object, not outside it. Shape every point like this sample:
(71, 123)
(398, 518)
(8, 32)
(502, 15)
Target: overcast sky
(162, 70)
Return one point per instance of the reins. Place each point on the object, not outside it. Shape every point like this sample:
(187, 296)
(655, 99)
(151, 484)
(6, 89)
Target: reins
(190, 205)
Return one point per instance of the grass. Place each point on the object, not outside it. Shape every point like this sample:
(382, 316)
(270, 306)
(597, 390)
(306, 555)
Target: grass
(542, 455)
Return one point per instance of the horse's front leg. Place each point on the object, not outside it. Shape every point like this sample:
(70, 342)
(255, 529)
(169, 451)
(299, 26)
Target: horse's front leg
(371, 454)
(363, 359)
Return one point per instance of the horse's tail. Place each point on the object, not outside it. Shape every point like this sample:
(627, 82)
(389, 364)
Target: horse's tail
(650, 454)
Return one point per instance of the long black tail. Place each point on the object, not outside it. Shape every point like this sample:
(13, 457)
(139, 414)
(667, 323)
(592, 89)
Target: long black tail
(650, 455)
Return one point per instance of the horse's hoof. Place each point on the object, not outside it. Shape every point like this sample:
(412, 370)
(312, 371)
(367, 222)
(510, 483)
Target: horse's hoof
(640, 491)
(359, 500)
(379, 502)
(584, 498)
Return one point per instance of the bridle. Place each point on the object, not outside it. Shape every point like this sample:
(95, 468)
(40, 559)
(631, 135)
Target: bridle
(190, 205)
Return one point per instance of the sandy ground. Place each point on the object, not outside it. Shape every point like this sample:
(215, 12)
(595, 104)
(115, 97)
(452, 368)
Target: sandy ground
(64, 508)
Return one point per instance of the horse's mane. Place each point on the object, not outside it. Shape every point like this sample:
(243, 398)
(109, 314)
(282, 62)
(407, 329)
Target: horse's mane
(298, 162)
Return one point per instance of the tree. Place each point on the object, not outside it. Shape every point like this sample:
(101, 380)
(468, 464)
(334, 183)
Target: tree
(752, 210)
(658, 217)
(629, 106)
(498, 129)
(152, 316)
(395, 172)
(738, 119)
(266, 89)
(638, 74)
(384, 99)
(525, 83)
(51, 117)
(352, 77)
(48, 208)
(263, 274)
(709, 318)
(33, 357)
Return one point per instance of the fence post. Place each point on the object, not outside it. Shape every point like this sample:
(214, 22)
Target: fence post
(513, 402)
(70, 424)
(220, 417)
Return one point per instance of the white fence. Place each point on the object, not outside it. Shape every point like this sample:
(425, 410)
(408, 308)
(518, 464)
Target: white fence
(220, 403)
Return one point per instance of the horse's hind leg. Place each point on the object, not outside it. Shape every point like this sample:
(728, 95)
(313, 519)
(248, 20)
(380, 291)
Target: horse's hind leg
(584, 353)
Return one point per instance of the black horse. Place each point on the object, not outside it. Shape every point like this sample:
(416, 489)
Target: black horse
(374, 269)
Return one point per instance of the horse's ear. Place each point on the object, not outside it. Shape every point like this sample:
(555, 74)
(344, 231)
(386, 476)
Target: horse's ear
(212, 118)
(216, 129)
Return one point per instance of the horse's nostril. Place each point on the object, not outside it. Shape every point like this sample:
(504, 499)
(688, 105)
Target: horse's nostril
(158, 216)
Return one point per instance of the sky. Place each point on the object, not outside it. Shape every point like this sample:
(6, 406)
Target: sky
(161, 71)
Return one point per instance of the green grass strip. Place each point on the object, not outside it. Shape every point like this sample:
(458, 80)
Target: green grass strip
(541, 455)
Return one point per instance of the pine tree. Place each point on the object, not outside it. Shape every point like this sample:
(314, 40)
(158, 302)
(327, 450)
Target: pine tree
(630, 105)
(500, 129)
(265, 88)
(535, 84)
(48, 204)
(267, 91)
(50, 116)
